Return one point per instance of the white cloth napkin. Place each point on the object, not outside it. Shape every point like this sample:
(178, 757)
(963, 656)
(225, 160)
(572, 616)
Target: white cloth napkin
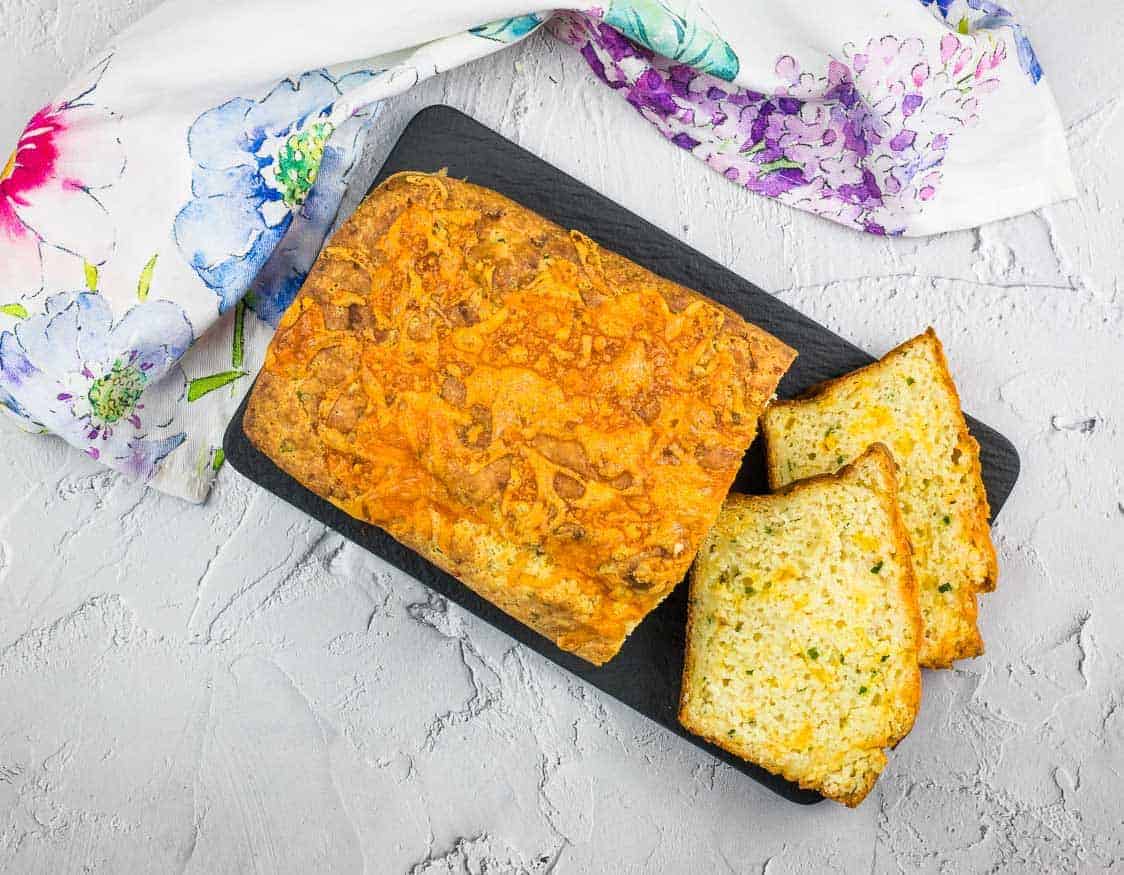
(157, 218)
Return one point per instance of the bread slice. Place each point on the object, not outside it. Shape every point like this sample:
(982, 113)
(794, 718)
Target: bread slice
(803, 630)
(909, 402)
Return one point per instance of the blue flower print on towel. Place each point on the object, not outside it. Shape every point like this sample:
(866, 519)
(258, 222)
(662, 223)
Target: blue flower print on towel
(256, 162)
(508, 30)
(278, 282)
(993, 17)
(941, 6)
(88, 378)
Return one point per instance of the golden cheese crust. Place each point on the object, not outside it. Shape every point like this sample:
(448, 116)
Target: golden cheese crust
(547, 421)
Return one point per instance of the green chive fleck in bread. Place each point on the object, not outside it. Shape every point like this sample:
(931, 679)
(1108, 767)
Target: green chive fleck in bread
(908, 402)
(803, 630)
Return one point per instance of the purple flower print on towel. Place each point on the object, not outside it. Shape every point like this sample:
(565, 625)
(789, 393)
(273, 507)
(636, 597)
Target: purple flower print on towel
(861, 143)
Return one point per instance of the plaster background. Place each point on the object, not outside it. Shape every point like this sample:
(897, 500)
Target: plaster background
(231, 688)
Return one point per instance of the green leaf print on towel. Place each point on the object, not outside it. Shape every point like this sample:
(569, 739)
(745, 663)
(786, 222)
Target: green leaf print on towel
(19, 311)
(508, 30)
(655, 24)
(199, 387)
(144, 284)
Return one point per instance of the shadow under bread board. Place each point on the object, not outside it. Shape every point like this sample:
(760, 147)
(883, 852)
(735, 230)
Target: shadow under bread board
(645, 675)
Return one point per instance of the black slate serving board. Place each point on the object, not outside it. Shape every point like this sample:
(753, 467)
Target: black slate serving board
(646, 673)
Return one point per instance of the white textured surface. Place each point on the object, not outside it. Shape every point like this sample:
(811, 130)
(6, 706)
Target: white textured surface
(231, 688)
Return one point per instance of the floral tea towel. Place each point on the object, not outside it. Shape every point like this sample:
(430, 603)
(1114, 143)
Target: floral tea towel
(159, 216)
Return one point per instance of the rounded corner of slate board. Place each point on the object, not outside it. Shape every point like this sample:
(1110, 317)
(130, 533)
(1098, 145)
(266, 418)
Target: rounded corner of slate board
(645, 675)
(440, 112)
(1000, 460)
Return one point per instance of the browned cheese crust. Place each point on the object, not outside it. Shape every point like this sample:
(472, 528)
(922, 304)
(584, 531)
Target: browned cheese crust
(542, 418)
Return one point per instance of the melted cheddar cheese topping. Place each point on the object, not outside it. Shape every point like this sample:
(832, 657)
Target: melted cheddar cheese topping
(540, 417)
